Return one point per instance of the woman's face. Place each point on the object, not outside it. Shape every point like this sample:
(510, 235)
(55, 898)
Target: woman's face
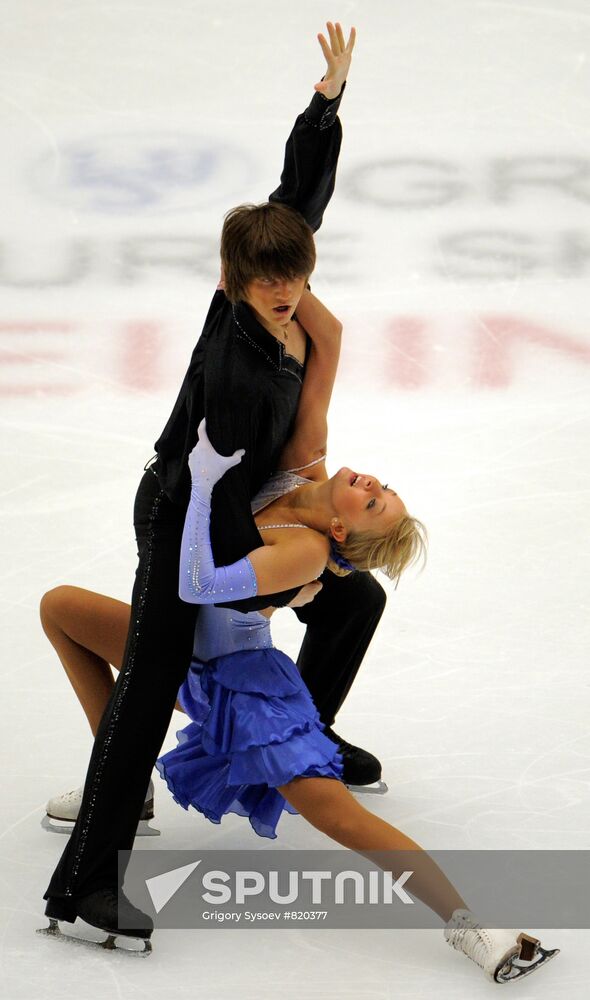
(274, 300)
(361, 503)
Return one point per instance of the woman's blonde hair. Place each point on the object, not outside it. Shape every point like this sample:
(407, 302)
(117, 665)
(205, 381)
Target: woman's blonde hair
(392, 553)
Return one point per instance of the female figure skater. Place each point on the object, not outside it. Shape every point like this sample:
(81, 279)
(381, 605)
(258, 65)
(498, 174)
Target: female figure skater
(256, 745)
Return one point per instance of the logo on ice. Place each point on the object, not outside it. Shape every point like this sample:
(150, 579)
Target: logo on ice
(321, 887)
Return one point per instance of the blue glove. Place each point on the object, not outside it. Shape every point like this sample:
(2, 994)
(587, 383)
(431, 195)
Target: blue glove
(200, 580)
(207, 466)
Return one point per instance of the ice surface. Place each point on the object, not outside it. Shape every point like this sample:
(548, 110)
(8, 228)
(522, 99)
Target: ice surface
(455, 251)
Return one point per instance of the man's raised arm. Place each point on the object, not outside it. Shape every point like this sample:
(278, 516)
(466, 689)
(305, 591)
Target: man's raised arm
(311, 153)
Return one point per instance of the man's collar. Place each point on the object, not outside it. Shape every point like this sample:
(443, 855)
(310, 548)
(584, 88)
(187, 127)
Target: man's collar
(259, 338)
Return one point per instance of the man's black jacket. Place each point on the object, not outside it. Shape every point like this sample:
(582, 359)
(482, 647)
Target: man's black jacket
(240, 377)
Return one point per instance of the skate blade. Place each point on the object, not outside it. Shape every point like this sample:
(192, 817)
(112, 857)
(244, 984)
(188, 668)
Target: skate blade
(377, 788)
(516, 968)
(66, 826)
(138, 946)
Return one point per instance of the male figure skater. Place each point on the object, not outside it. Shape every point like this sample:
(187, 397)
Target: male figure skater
(246, 384)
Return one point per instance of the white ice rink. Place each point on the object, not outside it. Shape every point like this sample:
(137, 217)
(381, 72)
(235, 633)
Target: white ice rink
(455, 251)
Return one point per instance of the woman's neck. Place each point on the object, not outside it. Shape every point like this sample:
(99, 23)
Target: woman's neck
(308, 504)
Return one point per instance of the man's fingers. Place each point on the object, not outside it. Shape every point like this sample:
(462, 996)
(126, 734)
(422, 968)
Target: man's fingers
(325, 48)
(336, 53)
(313, 590)
(333, 38)
(340, 36)
(306, 594)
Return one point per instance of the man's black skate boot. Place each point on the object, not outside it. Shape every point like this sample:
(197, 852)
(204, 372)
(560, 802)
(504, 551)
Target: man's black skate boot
(105, 910)
(360, 768)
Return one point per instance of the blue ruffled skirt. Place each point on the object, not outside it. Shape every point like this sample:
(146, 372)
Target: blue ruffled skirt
(254, 727)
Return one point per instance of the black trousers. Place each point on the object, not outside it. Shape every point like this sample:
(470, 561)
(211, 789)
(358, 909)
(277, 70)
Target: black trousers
(340, 624)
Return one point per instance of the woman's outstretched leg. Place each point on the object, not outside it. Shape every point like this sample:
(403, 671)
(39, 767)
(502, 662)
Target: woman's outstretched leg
(327, 804)
(330, 807)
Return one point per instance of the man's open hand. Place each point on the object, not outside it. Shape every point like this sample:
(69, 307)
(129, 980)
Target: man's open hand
(338, 55)
(306, 594)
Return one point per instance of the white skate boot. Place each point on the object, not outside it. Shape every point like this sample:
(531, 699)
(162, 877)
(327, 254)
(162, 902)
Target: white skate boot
(504, 955)
(62, 812)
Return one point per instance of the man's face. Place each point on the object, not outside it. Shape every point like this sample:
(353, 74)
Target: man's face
(274, 300)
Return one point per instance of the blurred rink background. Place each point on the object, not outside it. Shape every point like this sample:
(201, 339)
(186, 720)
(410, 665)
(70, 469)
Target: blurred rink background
(456, 251)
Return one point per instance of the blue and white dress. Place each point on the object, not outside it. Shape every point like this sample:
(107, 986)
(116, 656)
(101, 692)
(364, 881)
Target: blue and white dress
(254, 725)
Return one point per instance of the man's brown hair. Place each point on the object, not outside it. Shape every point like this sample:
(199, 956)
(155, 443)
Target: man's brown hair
(269, 240)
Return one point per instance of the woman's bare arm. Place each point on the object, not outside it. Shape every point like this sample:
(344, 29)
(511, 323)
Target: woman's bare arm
(310, 434)
(301, 555)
